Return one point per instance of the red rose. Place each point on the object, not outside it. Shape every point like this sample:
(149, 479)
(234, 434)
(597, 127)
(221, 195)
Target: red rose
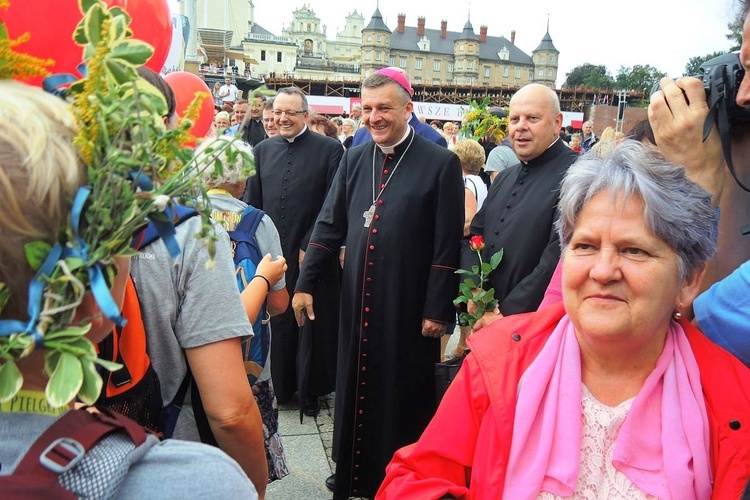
(476, 242)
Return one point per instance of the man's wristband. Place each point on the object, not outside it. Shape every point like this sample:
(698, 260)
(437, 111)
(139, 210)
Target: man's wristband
(264, 279)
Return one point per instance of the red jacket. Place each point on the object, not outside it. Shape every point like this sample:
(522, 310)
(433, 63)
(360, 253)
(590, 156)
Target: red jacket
(468, 440)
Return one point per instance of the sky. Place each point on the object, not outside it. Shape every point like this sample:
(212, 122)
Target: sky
(662, 33)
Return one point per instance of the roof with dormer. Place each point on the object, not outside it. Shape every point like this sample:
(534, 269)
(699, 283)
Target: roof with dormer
(376, 23)
(489, 50)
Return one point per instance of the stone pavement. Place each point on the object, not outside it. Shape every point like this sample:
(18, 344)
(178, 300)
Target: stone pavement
(308, 450)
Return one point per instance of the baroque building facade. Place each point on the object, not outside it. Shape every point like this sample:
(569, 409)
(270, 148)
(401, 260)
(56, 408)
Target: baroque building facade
(430, 56)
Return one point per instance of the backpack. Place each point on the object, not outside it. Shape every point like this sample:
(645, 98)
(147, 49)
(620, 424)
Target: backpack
(247, 256)
(59, 466)
(134, 390)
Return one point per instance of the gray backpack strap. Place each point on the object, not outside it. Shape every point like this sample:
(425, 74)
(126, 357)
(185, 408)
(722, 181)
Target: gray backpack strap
(102, 470)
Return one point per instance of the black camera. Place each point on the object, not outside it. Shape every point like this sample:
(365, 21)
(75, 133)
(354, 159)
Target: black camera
(721, 77)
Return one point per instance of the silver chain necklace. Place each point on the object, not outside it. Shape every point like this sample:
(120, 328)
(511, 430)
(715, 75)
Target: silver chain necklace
(370, 212)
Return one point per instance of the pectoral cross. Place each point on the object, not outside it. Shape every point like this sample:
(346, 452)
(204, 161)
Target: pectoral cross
(368, 214)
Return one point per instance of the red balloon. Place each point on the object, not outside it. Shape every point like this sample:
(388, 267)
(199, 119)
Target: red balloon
(151, 23)
(51, 33)
(185, 85)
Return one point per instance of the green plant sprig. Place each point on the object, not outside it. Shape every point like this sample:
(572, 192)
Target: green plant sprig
(121, 138)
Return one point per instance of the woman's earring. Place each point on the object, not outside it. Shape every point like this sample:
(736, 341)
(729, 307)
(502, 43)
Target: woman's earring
(677, 314)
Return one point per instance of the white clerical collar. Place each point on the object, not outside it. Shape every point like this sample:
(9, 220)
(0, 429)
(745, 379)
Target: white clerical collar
(553, 143)
(291, 139)
(389, 150)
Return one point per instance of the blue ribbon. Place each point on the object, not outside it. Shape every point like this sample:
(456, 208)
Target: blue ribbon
(54, 84)
(36, 291)
(164, 228)
(99, 287)
(166, 231)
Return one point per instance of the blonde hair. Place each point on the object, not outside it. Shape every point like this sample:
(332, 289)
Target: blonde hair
(222, 115)
(213, 150)
(606, 143)
(471, 154)
(39, 174)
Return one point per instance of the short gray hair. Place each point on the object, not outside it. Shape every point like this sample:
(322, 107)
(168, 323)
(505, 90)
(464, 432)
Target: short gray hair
(212, 150)
(676, 210)
(295, 91)
(377, 80)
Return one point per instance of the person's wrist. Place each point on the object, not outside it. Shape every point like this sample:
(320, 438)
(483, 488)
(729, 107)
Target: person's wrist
(268, 283)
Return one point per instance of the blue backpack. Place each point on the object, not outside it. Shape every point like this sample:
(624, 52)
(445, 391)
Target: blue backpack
(247, 256)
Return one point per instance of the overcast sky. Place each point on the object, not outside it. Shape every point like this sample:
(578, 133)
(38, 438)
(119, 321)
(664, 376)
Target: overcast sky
(662, 33)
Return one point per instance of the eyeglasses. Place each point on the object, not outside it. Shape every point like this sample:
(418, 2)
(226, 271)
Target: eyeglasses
(290, 113)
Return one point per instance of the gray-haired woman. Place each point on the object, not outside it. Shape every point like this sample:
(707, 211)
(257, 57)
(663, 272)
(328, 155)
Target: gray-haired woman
(611, 394)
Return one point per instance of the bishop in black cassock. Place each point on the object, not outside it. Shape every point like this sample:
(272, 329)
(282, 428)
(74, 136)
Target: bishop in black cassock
(399, 212)
(293, 175)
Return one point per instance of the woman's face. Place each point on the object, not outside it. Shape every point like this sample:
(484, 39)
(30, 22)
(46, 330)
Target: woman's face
(222, 122)
(620, 281)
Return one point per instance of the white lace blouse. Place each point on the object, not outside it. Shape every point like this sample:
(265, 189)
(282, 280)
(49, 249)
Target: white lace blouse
(597, 477)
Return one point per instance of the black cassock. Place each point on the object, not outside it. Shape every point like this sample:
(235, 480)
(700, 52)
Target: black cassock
(518, 216)
(290, 185)
(397, 272)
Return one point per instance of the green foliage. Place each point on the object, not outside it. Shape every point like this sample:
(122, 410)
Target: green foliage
(479, 122)
(122, 139)
(589, 76)
(692, 68)
(639, 78)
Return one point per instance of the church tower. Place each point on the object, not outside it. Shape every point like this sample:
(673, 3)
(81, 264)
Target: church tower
(545, 58)
(376, 45)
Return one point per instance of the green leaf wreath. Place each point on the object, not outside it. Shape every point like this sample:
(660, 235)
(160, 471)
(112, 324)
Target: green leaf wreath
(136, 169)
(479, 122)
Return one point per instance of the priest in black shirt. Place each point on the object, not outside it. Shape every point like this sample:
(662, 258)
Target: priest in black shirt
(520, 210)
(294, 173)
(397, 204)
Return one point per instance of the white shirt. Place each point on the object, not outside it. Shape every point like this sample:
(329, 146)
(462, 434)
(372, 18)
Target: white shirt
(231, 92)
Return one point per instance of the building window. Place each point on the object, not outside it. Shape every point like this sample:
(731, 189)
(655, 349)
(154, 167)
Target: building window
(518, 73)
(369, 38)
(436, 67)
(391, 61)
(460, 65)
(436, 81)
(459, 80)
(461, 47)
(470, 65)
(531, 75)
(262, 55)
(468, 80)
(505, 72)
(417, 79)
(309, 27)
(402, 62)
(541, 72)
(418, 64)
(486, 71)
(450, 68)
(278, 56)
(551, 59)
(368, 56)
(380, 38)
(549, 73)
(377, 56)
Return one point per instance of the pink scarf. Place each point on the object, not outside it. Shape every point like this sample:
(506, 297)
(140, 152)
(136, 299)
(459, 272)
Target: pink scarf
(662, 445)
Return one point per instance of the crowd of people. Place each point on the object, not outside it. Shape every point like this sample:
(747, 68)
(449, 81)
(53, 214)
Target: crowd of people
(615, 364)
